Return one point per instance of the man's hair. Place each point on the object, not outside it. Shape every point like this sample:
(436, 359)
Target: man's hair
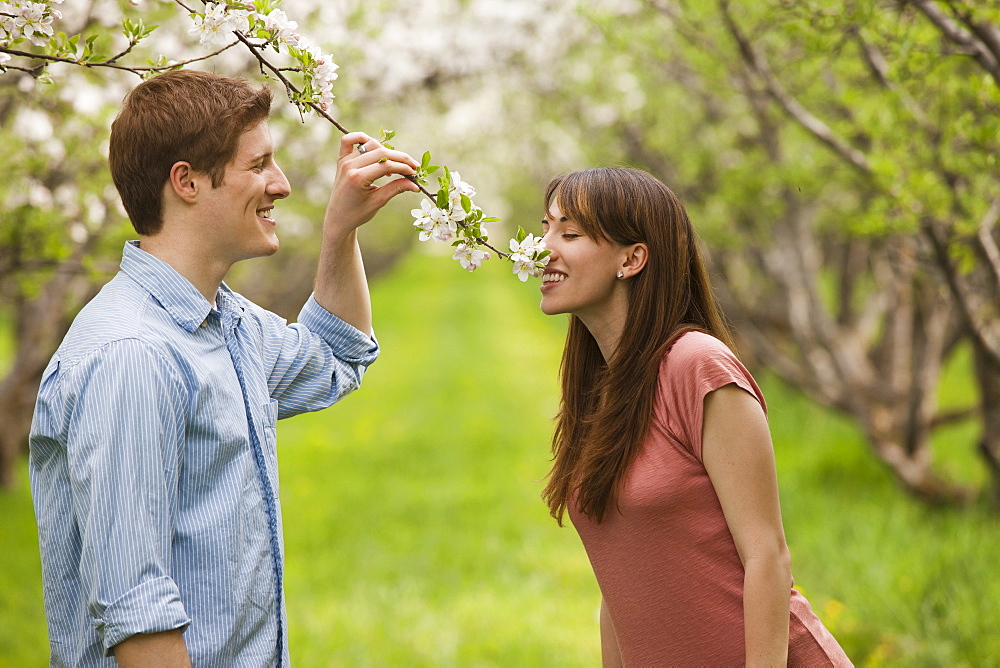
(183, 115)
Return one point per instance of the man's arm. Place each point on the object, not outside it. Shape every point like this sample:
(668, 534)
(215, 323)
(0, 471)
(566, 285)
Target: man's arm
(163, 650)
(341, 286)
(123, 441)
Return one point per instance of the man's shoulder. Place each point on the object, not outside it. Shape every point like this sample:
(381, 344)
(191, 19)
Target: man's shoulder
(121, 311)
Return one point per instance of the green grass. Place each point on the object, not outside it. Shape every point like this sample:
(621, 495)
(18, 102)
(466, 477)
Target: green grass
(415, 535)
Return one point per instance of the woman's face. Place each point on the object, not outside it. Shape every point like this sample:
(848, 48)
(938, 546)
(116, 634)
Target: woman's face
(581, 276)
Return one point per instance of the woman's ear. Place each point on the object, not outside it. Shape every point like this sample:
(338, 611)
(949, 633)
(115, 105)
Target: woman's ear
(184, 181)
(635, 260)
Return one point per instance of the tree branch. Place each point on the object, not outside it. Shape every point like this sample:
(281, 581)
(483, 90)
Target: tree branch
(110, 63)
(939, 243)
(980, 49)
(759, 65)
(988, 243)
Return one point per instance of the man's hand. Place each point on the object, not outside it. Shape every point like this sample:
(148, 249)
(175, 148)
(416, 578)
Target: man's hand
(163, 650)
(341, 287)
(355, 197)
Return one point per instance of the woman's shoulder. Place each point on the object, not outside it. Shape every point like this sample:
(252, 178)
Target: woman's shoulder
(699, 363)
(695, 350)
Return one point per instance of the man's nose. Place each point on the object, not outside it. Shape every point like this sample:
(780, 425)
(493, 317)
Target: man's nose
(279, 188)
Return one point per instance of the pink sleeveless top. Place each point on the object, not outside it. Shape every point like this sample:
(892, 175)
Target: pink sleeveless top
(666, 563)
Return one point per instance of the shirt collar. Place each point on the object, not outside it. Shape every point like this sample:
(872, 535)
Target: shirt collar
(175, 293)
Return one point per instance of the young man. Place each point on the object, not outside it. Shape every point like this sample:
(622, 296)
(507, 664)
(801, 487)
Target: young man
(153, 462)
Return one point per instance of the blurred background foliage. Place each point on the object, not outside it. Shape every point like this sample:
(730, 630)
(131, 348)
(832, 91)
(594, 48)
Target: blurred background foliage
(840, 162)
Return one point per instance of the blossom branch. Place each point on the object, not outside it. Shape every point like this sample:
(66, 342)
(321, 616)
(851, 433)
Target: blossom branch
(448, 215)
(110, 63)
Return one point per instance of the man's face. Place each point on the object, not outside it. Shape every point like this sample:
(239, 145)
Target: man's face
(240, 211)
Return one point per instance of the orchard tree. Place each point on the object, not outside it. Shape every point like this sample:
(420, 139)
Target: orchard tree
(841, 161)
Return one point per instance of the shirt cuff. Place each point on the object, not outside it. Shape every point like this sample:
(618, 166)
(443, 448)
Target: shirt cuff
(151, 607)
(347, 341)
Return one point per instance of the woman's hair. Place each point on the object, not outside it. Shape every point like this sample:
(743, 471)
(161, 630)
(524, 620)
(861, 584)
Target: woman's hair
(197, 117)
(606, 407)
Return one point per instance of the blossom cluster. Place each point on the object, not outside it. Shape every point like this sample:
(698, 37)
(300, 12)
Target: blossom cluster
(216, 26)
(528, 254)
(453, 217)
(221, 20)
(26, 20)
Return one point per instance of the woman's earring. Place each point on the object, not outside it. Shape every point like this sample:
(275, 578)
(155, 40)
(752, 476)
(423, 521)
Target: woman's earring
(621, 275)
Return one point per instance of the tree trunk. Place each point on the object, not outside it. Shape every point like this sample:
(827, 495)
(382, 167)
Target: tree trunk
(42, 323)
(914, 470)
(988, 376)
(17, 400)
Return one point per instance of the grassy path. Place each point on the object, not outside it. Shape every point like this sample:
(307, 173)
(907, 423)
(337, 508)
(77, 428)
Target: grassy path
(415, 535)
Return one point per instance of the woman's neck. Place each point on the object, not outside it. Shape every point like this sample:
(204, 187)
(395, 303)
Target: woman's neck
(607, 326)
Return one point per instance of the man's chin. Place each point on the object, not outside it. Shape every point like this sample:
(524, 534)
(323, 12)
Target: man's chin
(273, 243)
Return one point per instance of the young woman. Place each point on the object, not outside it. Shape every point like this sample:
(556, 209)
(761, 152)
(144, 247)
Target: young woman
(663, 456)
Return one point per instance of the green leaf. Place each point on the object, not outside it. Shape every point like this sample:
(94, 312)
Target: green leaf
(385, 136)
(543, 255)
(425, 161)
(442, 198)
(492, 219)
(521, 234)
(467, 203)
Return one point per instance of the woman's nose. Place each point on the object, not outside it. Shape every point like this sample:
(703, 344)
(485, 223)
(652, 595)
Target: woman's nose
(550, 244)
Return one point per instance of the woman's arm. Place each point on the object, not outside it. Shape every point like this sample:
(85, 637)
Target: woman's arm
(739, 458)
(610, 656)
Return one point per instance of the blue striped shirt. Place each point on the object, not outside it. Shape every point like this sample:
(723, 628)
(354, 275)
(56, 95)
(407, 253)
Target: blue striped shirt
(153, 464)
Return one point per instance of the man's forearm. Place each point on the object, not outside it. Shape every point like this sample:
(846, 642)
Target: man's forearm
(341, 285)
(163, 650)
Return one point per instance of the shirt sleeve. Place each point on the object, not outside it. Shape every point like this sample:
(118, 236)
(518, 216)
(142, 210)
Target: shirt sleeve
(697, 365)
(315, 362)
(124, 433)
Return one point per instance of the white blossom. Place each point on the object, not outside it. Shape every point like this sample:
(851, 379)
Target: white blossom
(527, 248)
(6, 20)
(470, 258)
(324, 74)
(218, 23)
(30, 20)
(281, 29)
(4, 59)
(460, 187)
(525, 256)
(433, 222)
(456, 212)
(524, 269)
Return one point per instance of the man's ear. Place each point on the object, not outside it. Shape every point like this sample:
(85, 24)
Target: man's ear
(185, 182)
(635, 260)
